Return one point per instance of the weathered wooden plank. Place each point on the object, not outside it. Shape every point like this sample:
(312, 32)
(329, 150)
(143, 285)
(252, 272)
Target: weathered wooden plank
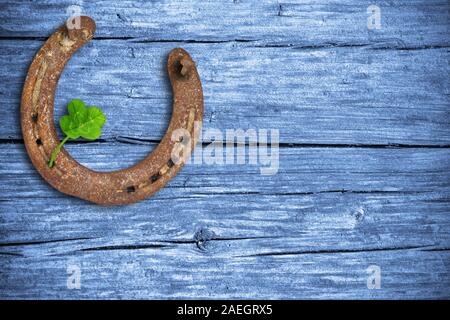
(229, 226)
(326, 198)
(175, 272)
(403, 22)
(300, 170)
(318, 96)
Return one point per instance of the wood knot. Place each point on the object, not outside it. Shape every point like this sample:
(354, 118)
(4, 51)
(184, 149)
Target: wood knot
(202, 237)
(359, 214)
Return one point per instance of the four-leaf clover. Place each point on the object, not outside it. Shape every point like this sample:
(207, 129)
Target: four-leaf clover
(82, 121)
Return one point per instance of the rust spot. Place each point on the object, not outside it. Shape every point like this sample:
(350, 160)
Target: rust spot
(163, 170)
(37, 85)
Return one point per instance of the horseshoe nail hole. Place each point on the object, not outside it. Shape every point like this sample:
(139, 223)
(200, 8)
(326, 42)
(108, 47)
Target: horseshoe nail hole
(170, 163)
(34, 117)
(182, 68)
(39, 142)
(131, 189)
(179, 68)
(154, 177)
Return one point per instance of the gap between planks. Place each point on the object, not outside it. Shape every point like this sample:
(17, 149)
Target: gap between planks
(139, 141)
(377, 45)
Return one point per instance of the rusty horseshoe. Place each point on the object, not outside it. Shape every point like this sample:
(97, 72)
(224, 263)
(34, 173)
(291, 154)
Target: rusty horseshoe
(68, 176)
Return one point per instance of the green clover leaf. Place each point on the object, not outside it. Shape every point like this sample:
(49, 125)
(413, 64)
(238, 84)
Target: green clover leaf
(82, 121)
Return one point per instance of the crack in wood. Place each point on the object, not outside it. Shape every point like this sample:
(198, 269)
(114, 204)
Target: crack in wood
(124, 247)
(331, 251)
(13, 254)
(28, 243)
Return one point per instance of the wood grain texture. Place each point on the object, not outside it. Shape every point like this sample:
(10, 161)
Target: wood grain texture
(407, 23)
(320, 96)
(344, 197)
(139, 273)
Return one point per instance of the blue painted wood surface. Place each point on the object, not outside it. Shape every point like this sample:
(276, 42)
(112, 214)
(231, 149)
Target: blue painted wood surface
(364, 155)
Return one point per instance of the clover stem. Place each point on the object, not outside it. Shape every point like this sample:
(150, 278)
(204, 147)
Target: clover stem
(55, 153)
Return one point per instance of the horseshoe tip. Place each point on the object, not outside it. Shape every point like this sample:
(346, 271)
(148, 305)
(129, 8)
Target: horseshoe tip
(86, 26)
(180, 62)
(88, 23)
(178, 53)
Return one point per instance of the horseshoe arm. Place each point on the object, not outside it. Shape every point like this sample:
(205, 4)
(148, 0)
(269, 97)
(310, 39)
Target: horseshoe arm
(68, 176)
